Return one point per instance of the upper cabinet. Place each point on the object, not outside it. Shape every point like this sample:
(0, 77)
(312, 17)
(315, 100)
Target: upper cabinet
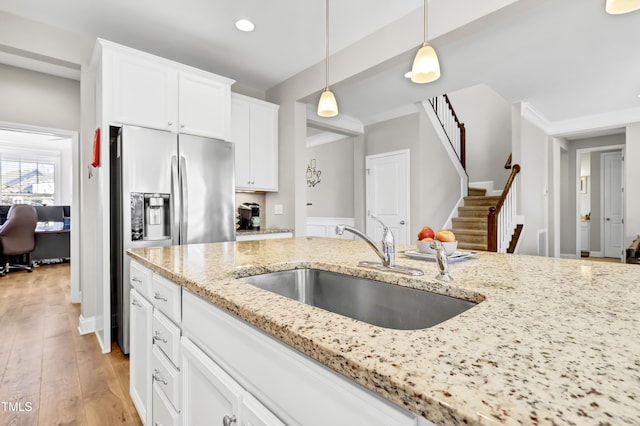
(254, 130)
(144, 90)
(204, 106)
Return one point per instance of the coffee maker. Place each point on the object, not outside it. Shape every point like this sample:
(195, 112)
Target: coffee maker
(249, 216)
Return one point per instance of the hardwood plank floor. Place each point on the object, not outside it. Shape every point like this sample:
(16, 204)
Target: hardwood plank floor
(49, 374)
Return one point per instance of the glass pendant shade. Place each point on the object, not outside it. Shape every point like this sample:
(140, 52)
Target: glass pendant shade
(327, 106)
(426, 67)
(616, 7)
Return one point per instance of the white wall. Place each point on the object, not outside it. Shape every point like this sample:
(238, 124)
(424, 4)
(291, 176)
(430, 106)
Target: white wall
(487, 119)
(530, 150)
(39, 99)
(334, 195)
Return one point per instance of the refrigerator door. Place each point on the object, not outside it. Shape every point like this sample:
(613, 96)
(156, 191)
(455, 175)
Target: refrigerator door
(143, 161)
(208, 190)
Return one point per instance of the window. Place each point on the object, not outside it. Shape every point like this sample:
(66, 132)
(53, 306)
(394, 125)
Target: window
(28, 179)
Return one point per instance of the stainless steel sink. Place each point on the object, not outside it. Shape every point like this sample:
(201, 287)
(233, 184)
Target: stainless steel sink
(374, 302)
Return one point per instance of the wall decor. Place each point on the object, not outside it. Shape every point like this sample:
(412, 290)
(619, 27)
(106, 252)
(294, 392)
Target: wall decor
(313, 175)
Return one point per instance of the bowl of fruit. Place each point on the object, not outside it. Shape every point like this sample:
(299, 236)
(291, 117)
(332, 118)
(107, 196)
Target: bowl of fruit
(446, 237)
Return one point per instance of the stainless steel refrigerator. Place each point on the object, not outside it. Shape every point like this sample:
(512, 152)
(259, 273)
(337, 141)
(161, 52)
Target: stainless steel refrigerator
(166, 189)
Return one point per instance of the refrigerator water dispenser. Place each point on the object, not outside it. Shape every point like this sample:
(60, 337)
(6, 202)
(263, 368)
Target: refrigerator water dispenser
(156, 217)
(150, 217)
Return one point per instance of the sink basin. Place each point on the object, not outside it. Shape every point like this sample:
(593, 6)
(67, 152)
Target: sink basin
(374, 302)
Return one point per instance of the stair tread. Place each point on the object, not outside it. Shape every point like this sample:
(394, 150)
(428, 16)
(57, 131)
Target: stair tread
(469, 231)
(472, 246)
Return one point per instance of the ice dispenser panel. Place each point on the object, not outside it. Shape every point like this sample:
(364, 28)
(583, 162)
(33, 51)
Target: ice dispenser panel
(150, 217)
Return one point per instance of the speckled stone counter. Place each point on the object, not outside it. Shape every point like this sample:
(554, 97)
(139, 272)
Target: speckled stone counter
(552, 341)
(263, 231)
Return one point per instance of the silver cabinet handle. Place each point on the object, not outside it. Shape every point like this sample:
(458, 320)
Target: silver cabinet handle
(228, 420)
(170, 123)
(160, 297)
(157, 377)
(182, 126)
(402, 222)
(134, 302)
(608, 219)
(136, 279)
(157, 336)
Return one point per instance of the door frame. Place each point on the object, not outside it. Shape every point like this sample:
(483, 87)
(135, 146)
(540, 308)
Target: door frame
(602, 200)
(369, 226)
(618, 147)
(76, 229)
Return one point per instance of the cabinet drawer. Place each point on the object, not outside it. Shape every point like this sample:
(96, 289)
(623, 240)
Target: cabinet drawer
(167, 297)
(166, 336)
(140, 279)
(166, 377)
(163, 412)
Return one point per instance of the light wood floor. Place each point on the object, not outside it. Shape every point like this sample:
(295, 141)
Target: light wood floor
(49, 374)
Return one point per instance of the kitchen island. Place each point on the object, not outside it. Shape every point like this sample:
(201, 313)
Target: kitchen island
(551, 341)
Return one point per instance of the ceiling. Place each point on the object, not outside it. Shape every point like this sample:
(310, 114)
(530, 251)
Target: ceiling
(566, 59)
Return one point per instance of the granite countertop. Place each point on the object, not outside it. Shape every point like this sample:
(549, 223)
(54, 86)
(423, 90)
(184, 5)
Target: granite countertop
(262, 231)
(552, 341)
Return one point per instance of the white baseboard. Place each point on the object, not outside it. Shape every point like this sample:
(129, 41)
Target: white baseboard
(595, 254)
(86, 325)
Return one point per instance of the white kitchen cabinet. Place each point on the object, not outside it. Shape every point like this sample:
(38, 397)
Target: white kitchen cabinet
(585, 235)
(140, 355)
(254, 130)
(204, 106)
(294, 388)
(154, 356)
(140, 89)
(144, 92)
(211, 396)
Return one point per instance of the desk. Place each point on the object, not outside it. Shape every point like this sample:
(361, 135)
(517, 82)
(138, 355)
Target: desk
(52, 242)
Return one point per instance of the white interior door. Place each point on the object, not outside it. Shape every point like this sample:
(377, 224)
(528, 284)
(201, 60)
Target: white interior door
(387, 182)
(612, 203)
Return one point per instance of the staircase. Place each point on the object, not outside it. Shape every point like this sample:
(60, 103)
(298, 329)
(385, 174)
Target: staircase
(470, 226)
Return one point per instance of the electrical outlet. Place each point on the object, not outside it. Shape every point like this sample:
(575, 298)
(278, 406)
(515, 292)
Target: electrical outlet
(277, 209)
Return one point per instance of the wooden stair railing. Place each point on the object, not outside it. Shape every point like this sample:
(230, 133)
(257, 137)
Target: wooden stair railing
(453, 127)
(500, 221)
(507, 165)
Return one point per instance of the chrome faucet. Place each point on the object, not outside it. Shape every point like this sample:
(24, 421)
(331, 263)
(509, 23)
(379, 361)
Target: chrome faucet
(388, 252)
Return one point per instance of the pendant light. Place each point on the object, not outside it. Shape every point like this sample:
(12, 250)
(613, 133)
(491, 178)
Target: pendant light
(616, 7)
(426, 67)
(327, 106)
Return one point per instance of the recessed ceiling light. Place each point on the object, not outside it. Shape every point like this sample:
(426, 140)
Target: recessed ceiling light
(245, 25)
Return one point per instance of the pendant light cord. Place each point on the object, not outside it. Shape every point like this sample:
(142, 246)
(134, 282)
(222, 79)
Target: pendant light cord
(425, 21)
(326, 40)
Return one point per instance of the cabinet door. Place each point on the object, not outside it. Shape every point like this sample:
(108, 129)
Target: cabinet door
(140, 355)
(204, 106)
(252, 413)
(264, 147)
(241, 137)
(145, 93)
(209, 395)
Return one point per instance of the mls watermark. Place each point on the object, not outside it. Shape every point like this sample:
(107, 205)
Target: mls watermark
(17, 407)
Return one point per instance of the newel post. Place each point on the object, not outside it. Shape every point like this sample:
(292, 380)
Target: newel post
(492, 230)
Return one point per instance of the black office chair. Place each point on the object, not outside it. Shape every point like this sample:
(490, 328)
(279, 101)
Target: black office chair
(17, 236)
